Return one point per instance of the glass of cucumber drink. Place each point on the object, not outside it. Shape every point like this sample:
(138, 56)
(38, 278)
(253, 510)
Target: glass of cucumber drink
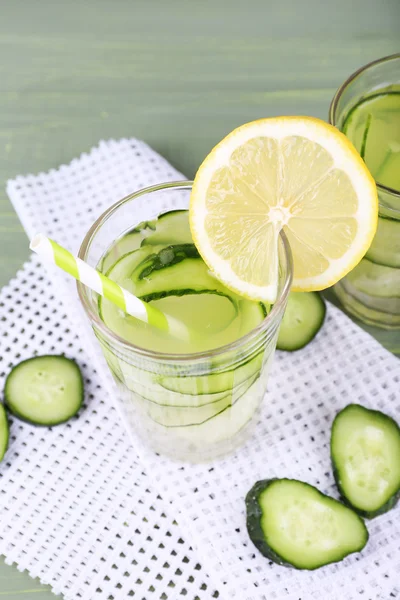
(189, 399)
(366, 108)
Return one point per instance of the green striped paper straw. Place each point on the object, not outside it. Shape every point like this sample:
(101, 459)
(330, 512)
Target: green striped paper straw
(96, 281)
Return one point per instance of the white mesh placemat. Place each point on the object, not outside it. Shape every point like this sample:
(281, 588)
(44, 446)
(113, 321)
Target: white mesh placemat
(83, 507)
(77, 509)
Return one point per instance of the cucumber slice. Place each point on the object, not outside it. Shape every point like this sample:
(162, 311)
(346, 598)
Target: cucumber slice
(170, 416)
(174, 268)
(4, 432)
(384, 312)
(375, 280)
(145, 227)
(152, 391)
(127, 243)
(216, 382)
(388, 172)
(156, 273)
(142, 334)
(171, 228)
(385, 247)
(167, 257)
(153, 272)
(303, 318)
(123, 268)
(386, 309)
(180, 391)
(221, 427)
(295, 525)
(45, 390)
(365, 453)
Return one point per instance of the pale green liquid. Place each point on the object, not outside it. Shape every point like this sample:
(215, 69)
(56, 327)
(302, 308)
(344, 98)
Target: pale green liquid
(374, 128)
(189, 410)
(215, 318)
(372, 290)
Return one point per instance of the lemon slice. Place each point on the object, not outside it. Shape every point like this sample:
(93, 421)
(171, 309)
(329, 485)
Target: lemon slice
(295, 174)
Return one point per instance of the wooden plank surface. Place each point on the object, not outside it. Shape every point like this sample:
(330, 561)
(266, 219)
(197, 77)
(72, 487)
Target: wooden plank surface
(177, 74)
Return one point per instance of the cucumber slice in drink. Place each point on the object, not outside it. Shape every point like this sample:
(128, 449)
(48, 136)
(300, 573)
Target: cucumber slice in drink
(153, 392)
(153, 272)
(170, 416)
(45, 390)
(176, 267)
(385, 248)
(388, 171)
(127, 243)
(216, 382)
(303, 318)
(157, 273)
(220, 316)
(184, 391)
(4, 432)
(221, 319)
(123, 268)
(223, 426)
(375, 280)
(365, 453)
(295, 525)
(190, 275)
(171, 228)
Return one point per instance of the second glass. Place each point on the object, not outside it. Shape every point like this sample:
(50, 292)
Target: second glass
(195, 406)
(367, 109)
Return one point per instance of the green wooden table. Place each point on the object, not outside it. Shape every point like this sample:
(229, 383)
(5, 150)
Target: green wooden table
(178, 74)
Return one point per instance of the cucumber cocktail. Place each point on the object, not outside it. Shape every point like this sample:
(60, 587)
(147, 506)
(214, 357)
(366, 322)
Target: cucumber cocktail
(224, 269)
(191, 399)
(367, 110)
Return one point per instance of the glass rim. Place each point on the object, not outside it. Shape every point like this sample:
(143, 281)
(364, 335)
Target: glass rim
(164, 356)
(338, 94)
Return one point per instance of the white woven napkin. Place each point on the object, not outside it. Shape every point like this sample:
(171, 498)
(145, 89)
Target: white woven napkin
(77, 509)
(92, 514)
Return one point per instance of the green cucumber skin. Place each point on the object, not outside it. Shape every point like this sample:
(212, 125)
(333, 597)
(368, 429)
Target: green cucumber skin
(6, 431)
(256, 534)
(351, 112)
(189, 291)
(391, 503)
(21, 417)
(181, 292)
(161, 219)
(169, 213)
(285, 347)
(159, 380)
(364, 513)
(253, 522)
(380, 264)
(371, 254)
(145, 251)
(174, 254)
(143, 226)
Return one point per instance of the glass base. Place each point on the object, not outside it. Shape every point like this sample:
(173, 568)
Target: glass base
(193, 454)
(383, 326)
(212, 439)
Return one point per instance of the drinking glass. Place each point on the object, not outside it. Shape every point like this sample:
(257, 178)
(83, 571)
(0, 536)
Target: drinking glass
(193, 407)
(371, 291)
